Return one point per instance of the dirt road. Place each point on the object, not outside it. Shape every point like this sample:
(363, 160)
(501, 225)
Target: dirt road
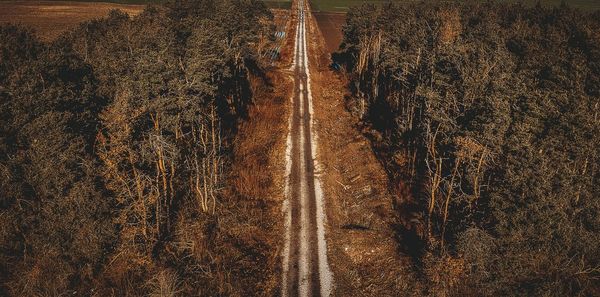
(305, 268)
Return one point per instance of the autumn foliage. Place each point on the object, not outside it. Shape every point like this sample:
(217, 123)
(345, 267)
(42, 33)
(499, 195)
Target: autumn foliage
(115, 144)
(489, 112)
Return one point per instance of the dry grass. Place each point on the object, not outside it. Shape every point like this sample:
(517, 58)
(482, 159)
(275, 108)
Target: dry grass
(260, 144)
(287, 53)
(51, 18)
(164, 284)
(444, 273)
(450, 27)
(363, 251)
(246, 248)
(255, 148)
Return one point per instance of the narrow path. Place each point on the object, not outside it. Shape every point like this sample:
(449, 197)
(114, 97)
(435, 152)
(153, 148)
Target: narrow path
(305, 268)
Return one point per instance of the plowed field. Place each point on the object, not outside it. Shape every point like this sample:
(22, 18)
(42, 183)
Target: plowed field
(50, 18)
(330, 24)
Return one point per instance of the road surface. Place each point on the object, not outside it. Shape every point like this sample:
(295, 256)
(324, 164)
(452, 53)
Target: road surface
(305, 268)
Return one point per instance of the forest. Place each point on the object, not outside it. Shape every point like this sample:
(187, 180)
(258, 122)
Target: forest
(115, 142)
(135, 160)
(486, 117)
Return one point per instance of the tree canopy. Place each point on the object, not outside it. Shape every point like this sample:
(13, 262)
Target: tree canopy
(490, 112)
(112, 138)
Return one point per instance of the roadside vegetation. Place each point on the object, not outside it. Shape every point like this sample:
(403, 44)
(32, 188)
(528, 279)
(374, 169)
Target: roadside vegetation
(348, 5)
(116, 149)
(486, 117)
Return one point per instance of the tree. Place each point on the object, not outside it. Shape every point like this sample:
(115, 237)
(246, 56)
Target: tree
(493, 106)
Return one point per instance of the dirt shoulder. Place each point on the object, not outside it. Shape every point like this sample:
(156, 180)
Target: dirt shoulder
(362, 249)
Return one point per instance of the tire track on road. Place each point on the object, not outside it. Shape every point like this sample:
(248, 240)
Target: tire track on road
(305, 268)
